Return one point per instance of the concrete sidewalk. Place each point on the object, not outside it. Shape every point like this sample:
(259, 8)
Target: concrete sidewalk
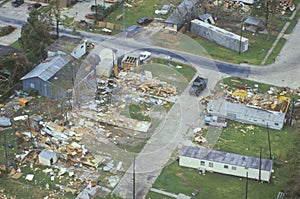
(281, 34)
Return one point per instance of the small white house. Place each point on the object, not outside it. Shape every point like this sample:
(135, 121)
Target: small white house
(243, 113)
(48, 157)
(205, 159)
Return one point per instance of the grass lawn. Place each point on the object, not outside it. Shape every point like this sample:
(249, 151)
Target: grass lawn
(275, 51)
(176, 179)
(16, 44)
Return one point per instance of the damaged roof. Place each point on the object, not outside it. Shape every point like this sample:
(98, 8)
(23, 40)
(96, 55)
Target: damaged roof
(179, 15)
(225, 157)
(48, 68)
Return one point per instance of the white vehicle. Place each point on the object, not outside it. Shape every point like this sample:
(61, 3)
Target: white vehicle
(163, 11)
(144, 55)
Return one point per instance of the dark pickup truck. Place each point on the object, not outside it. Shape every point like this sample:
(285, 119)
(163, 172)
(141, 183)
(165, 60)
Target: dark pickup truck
(199, 84)
(17, 3)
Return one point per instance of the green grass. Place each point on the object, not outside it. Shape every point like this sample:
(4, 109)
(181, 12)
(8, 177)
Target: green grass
(176, 179)
(16, 44)
(154, 195)
(291, 27)
(139, 9)
(136, 111)
(276, 51)
(187, 71)
(236, 83)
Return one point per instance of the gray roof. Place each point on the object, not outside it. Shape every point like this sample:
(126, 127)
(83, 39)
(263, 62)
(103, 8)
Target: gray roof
(252, 21)
(222, 107)
(7, 50)
(48, 68)
(225, 157)
(47, 154)
(177, 17)
(204, 17)
(5, 122)
(132, 28)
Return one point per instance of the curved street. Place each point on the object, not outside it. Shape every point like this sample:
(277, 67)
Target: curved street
(182, 116)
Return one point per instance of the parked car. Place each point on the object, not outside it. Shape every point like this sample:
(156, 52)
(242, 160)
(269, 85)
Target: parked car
(17, 3)
(199, 84)
(163, 11)
(90, 16)
(99, 7)
(144, 20)
(144, 55)
(34, 6)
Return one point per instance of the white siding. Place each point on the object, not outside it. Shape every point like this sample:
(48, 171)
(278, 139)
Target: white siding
(219, 168)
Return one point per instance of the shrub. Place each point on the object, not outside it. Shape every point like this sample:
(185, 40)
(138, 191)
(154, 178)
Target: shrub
(6, 30)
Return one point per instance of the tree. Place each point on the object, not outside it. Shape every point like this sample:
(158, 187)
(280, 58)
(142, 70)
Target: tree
(35, 36)
(12, 68)
(53, 12)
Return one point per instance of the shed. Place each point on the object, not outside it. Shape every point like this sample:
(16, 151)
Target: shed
(254, 24)
(207, 18)
(205, 159)
(243, 113)
(5, 122)
(42, 75)
(132, 30)
(48, 157)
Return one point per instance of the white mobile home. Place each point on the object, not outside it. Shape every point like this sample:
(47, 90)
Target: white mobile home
(243, 113)
(219, 35)
(226, 163)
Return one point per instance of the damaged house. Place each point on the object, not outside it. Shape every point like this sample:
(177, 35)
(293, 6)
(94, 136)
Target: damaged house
(53, 76)
(247, 114)
(182, 15)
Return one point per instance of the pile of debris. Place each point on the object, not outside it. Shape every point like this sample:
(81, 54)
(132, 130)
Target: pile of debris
(273, 100)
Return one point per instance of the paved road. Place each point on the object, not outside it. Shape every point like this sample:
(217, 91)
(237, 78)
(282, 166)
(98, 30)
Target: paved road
(155, 155)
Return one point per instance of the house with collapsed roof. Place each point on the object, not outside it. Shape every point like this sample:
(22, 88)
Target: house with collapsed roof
(54, 75)
(247, 114)
(205, 159)
(181, 15)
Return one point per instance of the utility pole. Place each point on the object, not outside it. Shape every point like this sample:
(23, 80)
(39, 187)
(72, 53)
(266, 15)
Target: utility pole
(5, 151)
(96, 11)
(259, 174)
(247, 185)
(133, 184)
(268, 132)
(241, 36)
(123, 17)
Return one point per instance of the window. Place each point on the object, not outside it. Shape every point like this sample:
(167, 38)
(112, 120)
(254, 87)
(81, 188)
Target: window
(276, 124)
(31, 85)
(202, 163)
(233, 168)
(211, 164)
(225, 166)
(82, 46)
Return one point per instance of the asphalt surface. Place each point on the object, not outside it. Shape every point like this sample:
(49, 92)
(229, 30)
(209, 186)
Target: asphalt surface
(179, 120)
